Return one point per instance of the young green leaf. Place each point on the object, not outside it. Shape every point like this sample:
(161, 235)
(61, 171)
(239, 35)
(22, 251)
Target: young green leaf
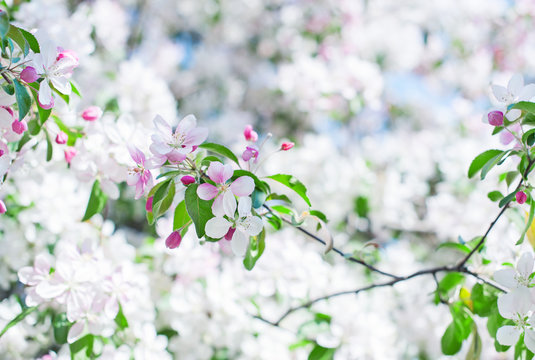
(61, 326)
(82, 349)
(294, 184)
(528, 223)
(480, 161)
(221, 150)
(450, 342)
(32, 41)
(200, 211)
(181, 216)
(18, 319)
(4, 24)
(49, 147)
(24, 101)
(524, 106)
(495, 195)
(255, 250)
(97, 201)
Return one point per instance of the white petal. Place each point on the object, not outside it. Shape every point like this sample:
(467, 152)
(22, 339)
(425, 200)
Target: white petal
(508, 335)
(62, 84)
(186, 124)
(527, 93)
(244, 206)
(162, 125)
(217, 227)
(26, 275)
(513, 114)
(217, 206)
(75, 331)
(506, 277)
(525, 265)
(521, 300)
(529, 340)
(45, 93)
(49, 289)
(515, 85)
(506, 306)
(501, 93)
(239, 243)
(110, 188)
(255, 226)
(229, 204)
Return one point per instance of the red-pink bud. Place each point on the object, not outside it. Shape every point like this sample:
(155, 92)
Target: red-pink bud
(287, 146)
(70, 152)
(187, 179)
(230, 233)
(2, 152)
(29, 75)
(250, 134)
(521, 197)
(61, 138)
(3, 207)
(148, 204)
(19, 126)
(173, 240)
(495, 118)
(92, 113)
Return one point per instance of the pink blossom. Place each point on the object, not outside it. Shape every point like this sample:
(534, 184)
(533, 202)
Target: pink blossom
(495, 118)
(138, 175)
(173, 240)
(69, 152)
(187, 179)
(34, 275)
(61, 138)
(92, 113)
(148, 204)
(174, 146)
(521, 197)
(250, 134)
(507, 135)
(250, 152)
(3, 207)
(224, 193)
(287, 146)
(19, 126)
(29, 75)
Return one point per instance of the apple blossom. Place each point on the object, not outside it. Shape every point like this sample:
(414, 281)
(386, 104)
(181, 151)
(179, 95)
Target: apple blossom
(70, 153)
(224, 193)
(19, 126)
(138, 175)
(515, 92)
(516, 306)
(174, 146)
(33, 276)
(519, 277)
(61, 138)
(250, 134)
(251, 152)
(92, 113)
(238, 230)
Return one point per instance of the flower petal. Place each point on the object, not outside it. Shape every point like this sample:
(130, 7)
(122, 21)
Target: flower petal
(45, 93)
(244, 206)
(506, 277)
(525, 265)
(242, 186)
(515, 85)
(239, 243)
(186, 124)
(49, 289)
(506, 306)
(529, 339)
(508, 335)
(136, 154)
(501, 93)
(527, 93)
(207, 191)
(255, 226)
(217, 227)
(229, 204)
(217, 206)
(75, 331)
(162, 126)
(196, 136)
(219, 173)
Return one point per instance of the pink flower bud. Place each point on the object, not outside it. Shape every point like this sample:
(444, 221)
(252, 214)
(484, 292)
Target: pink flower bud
(9, 110)
(2, 152)
(495, 118)
(250, 152)
(70, 152)
(148, 205)
(92, 113)
(29, 75)
(47, 106)
(3, 207)
(521, 197)
(19, 126)
(61, 138)
(250, 134)
(230, 233)
(173, 240)
(186, 180)
(287, 146)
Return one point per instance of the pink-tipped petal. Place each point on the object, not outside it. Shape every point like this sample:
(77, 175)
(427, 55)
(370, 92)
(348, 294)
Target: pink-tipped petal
(196, 136)
(219, 173)
(207, 191)
(3, 207)
(162, 125)
(136, 154)
(242, 186)
(92, 113)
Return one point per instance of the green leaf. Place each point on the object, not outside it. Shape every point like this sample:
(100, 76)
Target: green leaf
(171, 173)
(492, 162)
(120, 319)
(163, 198)
(97, 201)
(509, 177)
(456, 246)
(15, 34)
(281, 197)
(321, 353)
(450, 342)
(200, 211)
(61, 326)
(507, 199)
(361, 206)
(524, 106)
(221, 150)
(49, 147)
(528, 223)
(495, 195)
(450, 281)
(481, 160)
(75, 90)
(319, 215)
(82, 349)
(4, 24)
(474, 351)
(482, 300)
(529, 137)
(292, 183)
(274, 220)
(529, 119)
(181, 216)
(256, 247)
(32, 41)
(17, 319)
(24, 101)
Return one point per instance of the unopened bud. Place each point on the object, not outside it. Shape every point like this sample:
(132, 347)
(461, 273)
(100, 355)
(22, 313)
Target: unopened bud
(287, 146)
(187, 179)
(70, 152)
(3, 207)
(92, 113)
(173, 240)
(250, 134)
(521, 197)
(29, 75)
(61, 138)
(495, 118)
(19, 126)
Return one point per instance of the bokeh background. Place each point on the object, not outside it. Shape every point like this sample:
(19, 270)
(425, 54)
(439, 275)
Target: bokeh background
(386, 101)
